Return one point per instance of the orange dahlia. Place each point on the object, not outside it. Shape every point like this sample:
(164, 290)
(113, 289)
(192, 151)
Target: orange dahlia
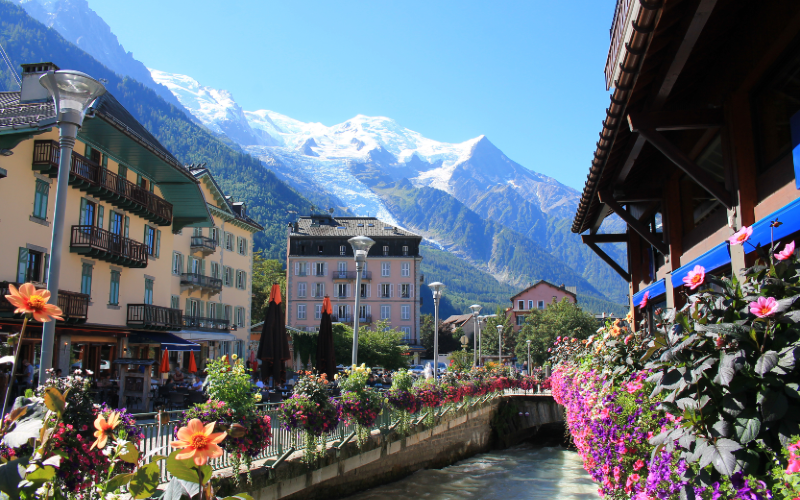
(29, 300)
(198, 442)
(104, 429)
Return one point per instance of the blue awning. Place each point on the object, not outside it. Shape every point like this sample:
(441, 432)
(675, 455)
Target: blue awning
(167, 340)
(715, 258)
(655, 289)
(790, 218)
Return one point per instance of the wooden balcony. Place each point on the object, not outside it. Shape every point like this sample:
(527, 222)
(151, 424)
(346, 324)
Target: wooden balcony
(203, 245)
(197, 281)
(105, 245)
(206, 324)
(74, 305)
(150, 317)
(351, 275)
(88, 176)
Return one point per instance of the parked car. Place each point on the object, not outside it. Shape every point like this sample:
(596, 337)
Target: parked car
(104, 365)
(416, 370)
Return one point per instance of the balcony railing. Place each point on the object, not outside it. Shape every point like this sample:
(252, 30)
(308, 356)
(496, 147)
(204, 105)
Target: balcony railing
(617, 32)
(107, 246)
(203, 244)
(349, 319)
(152, 317)
(74, 305)
(198, 280)
(92, 178)
(205, 324)
(351, 275)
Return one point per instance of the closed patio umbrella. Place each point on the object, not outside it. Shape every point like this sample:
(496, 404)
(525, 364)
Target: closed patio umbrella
(164, 368)
(273, 348)
(192, 363)
(326, 362)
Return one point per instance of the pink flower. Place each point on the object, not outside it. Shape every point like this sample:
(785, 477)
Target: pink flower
(638, 465)
(786, 253)
(643, 303)
(764, 306)
(634, 477)
(695, 278)
(741, 236)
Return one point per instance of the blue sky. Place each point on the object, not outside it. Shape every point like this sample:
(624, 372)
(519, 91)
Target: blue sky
(527, 74)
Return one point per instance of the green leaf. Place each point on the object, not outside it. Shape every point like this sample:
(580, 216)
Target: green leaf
(129, 453)
(118, 482)
(187, 470)
(10, 476)
(733, 404)
(720, 453)
(178, 488)
(26, 427)
(41, 474)
(54, 401)
(793, 390)
(766, 362)
(729, 364)
(747, 426)
(145, 480)
(773, 405)
(240, 496)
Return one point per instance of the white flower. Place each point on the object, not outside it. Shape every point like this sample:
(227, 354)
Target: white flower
(89, 372)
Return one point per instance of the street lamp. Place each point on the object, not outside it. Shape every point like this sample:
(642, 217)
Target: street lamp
(500, 344)
(481, 319)
(437, 288)
(361, 246)
(475, 310)
(529, 355)
(73, 92)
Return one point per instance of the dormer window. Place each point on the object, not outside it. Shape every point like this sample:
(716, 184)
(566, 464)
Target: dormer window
(319, 249)
(385, 250)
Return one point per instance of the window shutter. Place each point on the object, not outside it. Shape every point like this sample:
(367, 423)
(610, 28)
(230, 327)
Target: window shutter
(313, 290)
(245, 245)
(325, 268)
(188, 307)
(189, 263)
(138, 179)
(83, 212)
(127, 226)
(391, 290)
(348, 290)
(100, 213)
(411, 290)
(105, 161)
(144, 239)
(22, 265)
(323, 290)
(244, 280)
(203, 267)
(45, 276)
(158, 242)
(369, 290)
(296, 268)
(369, 310)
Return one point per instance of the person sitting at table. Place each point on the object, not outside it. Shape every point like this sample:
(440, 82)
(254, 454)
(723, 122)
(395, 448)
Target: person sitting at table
(259, 383)
(197, 384)
(169, 385)
(179, 377)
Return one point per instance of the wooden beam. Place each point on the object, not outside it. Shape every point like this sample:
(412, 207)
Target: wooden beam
(611, 262)
(642, 197)
(633, 222)
(598, 219)
(630, 159)
(696, 26)
(605, 238)
(676, 156)
(677, 120)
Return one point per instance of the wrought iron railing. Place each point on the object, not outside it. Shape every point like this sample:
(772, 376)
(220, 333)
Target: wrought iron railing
(197, 279)
(108, 246)
(351, 275)
(203, 243)
(205, 324)
(148, 316)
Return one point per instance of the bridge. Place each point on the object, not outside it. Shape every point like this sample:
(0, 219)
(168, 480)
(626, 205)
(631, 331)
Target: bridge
(459, 432)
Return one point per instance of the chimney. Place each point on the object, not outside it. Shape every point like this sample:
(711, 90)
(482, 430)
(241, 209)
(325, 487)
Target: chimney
(32, 90)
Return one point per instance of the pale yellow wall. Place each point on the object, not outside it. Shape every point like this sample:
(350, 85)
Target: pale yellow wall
(16, 207)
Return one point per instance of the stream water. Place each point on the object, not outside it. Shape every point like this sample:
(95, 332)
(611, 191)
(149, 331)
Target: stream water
(520, 473)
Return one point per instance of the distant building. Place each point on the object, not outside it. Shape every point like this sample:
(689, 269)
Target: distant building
(538, 296)
(456, 321)
(320, 262)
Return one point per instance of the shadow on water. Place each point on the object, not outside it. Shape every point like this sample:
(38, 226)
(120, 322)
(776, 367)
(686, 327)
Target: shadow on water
(518, 473)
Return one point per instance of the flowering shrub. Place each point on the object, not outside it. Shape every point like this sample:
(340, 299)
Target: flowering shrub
(360, 404)
(313, 411)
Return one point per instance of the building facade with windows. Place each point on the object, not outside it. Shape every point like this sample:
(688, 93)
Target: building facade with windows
(212, 274)
(127, 197)
(538, 296)
(320, 262)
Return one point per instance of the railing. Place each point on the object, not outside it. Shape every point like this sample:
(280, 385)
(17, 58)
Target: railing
(617, 31)
(349, 319)
(197, 279)
(318, 273)
(351, 275)
(113, 187)
(149, 316)
(203, 243)
(74, 305)
(205, 324)
(108, 246)
(158, 435)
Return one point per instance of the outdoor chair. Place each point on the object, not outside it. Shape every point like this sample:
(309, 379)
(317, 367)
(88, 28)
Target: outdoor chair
(177, 400)
(196, 397)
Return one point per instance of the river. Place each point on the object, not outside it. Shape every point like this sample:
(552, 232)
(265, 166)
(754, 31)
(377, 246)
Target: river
(523, 472)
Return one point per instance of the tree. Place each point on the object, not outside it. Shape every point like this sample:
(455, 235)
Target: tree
(448, 342)
(489, 335)
(558, 319)
(265, 273)
(377, 346)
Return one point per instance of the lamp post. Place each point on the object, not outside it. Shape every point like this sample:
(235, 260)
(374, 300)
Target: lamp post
(529, 355)
(73, 92)
(437, 288)
(361, 246)
(475, 310)
(500, 344)
(480, 340)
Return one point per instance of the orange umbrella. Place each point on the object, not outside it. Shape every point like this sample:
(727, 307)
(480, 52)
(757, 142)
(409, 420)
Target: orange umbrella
(192, 364)
(165, 362)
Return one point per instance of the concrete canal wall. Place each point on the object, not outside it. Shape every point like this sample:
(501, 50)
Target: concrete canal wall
(389, 457)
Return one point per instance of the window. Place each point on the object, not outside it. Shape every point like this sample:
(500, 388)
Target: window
(386, 269)
(318, 311)
(301, 268)
(520, 320)
(152, 240)
(301, 290)
(386, 312)
(177, 263)
(240, 317)
(123, 171)
(385, 250)
(405, 250)
(364, 290)
(319, 268)
(198, 231)
(32, 265)
(241, 280)
(342, 250)
(214, 235)
(405, 312)
(405, 290)
(301, 311)
(226, 313)
(407, 338)
(363, 313)
(541, 304)
(229, 242)
(215, 272)
(319, 290)
(530, 304)
(341, 290)
(113, 294)
(405, 269)
(242, 246)
(86, 279)
(116, 223)
(342, 310)
(320, 249)
(521, 305)
(212, 310)
(40, 199)
(88, 210)
(148, 291)
(174, 302)
(228, 278)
